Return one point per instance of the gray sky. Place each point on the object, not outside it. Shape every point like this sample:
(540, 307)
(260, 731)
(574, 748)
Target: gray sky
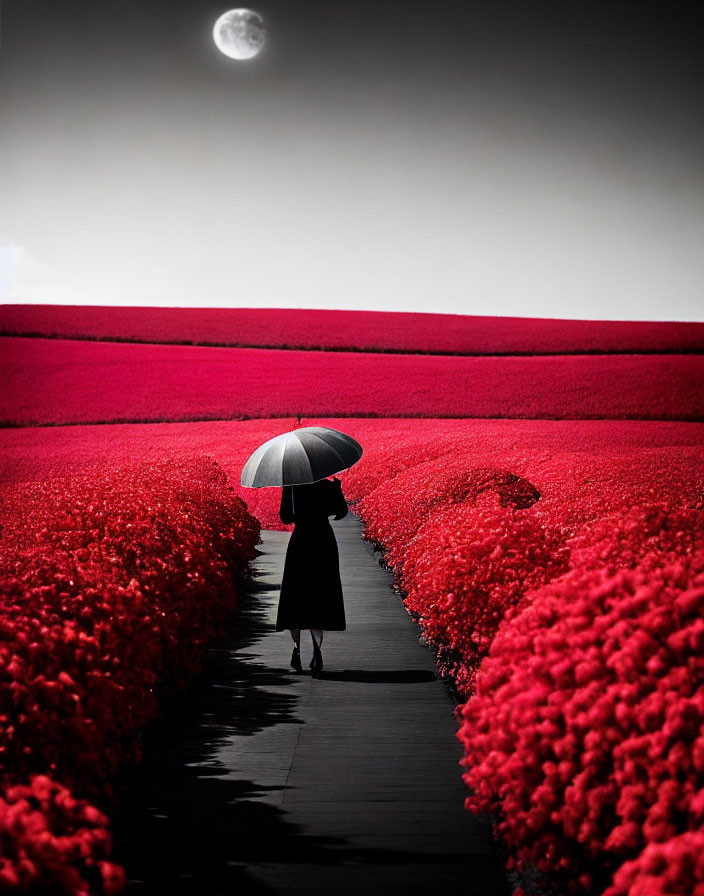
(496, 157)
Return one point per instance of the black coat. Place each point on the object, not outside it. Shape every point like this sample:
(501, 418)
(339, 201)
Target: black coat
(311, 593)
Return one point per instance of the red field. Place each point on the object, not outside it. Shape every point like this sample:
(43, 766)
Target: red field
(34, 454)
(64, 381)
(516, 543)
(353, 330)
(556, 565)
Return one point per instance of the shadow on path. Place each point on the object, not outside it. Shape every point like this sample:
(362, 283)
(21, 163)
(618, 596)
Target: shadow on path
(261, 781)
(176, 828)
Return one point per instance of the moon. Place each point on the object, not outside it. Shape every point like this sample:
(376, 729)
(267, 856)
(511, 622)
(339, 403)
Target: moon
(239, 33)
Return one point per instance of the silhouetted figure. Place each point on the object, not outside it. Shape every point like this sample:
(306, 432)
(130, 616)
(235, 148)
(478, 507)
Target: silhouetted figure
(311, 592)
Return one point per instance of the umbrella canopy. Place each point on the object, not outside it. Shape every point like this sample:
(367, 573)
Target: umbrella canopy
(300, 457)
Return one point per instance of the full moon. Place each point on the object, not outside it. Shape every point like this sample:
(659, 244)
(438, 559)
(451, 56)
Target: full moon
(239, 33)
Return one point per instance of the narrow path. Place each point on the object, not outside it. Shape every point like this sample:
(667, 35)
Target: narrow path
(270, 782)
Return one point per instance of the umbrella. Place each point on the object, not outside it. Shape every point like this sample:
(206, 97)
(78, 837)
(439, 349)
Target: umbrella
(300, 457)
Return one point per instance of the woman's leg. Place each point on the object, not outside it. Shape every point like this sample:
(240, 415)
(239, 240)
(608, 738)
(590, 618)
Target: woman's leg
(296, 655)
(317, 661)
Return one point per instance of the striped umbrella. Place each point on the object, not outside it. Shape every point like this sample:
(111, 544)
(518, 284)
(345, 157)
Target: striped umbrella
(300, 457)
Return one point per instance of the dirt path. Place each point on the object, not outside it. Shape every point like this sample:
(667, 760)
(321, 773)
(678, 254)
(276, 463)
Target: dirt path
(265, 781)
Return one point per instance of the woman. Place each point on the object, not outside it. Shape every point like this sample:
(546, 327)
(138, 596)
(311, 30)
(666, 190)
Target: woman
(311, 593)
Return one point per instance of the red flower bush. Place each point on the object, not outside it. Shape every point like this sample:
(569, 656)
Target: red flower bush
(113, 584)
(397, 508)
(675, 868)
(53, 843)
(586, 736)
(467, 568)
(386, 455)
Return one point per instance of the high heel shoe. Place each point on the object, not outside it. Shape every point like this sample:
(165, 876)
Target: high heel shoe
(296, 660)
(316, 664)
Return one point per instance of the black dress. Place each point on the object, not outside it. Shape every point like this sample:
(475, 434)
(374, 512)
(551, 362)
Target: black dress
(311, 593)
